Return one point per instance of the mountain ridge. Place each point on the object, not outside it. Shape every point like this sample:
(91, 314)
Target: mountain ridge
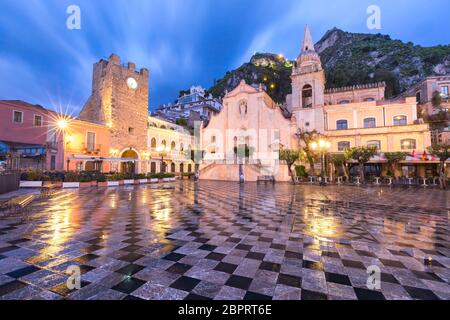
(348, 59)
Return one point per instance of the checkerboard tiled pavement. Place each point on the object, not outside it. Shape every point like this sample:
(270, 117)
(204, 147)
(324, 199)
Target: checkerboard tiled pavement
(220, 241)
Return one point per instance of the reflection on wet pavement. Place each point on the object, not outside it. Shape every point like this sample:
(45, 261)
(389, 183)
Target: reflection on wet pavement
(221, 240)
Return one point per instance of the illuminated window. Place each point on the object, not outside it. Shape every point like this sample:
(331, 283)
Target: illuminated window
(343, 145)
(164, 143)
(173, 146)
(341, 125)
(408, 144)
(374, 143)
(400, 121)
(153, 143)
(444, 91)
(370, 123)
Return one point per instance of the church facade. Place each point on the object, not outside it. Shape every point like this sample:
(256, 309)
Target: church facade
(349, 117)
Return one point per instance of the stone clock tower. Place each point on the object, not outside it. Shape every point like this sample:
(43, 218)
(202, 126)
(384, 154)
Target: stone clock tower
(308, 87)
(119, 100)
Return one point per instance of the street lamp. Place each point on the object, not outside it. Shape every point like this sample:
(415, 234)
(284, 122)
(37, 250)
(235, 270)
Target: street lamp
(163, 151)
(321, 146)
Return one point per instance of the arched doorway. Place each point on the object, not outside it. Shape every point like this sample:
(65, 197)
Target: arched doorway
(130, 166)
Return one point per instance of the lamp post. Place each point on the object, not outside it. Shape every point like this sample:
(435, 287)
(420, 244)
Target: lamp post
(321, 146)
(163, 151)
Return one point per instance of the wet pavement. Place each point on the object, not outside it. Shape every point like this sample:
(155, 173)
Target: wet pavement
(222, 241)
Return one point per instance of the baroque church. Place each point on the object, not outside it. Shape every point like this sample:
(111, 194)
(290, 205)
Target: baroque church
(251, 122)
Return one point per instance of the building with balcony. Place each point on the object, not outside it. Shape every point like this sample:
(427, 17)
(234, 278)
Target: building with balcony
(191, 106)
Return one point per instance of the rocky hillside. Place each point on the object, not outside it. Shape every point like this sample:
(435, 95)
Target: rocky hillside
(348, 58)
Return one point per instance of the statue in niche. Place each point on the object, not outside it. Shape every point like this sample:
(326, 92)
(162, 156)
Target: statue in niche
(243, 107)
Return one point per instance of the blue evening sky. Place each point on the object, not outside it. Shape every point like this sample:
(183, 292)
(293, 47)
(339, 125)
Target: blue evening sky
(182, 42)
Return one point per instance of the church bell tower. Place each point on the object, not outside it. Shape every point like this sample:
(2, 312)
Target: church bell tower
(308, 86)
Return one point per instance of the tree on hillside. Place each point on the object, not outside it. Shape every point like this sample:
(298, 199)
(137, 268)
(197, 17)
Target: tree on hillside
(362, 155)
(442, 151)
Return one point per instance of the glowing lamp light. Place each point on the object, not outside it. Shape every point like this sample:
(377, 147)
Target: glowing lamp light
(314, 145)
(62, 124)
(70, 138)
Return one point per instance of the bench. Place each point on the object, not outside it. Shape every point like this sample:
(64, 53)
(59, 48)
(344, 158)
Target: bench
(266, 179)
(16, 204)
(47, 190)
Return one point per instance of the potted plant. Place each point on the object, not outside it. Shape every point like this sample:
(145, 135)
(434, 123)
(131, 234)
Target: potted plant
(140, 179)
(153, 177)
(71, 180)
(31, 179)
(57, 182)
(85, 182)
(127, 179)
(102, 181)
(113, 180)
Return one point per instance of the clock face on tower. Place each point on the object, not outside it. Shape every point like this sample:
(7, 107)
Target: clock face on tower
(132, 83)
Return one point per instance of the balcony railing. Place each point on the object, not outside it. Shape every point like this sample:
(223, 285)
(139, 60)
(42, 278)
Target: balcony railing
(91, 148)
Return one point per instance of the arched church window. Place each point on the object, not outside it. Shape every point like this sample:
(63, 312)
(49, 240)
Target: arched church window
(307, 94)
(173, 146)
(153, 144)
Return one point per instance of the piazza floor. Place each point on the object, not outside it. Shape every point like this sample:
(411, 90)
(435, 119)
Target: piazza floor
(222, 241)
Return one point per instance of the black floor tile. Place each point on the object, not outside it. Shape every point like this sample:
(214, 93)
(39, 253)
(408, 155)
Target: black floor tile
(128, 285)
(130, 269)
(130, 257)
(366, 294)
(196, 297)
(23, 272)
(270, 266)
(215, 256)
(313, 265)
(353, 264)
(312, 295)
(11, 286)
(422, 294)
(208, 247)
(293, 255)
(226, 267)
(289, 280)
(255, 256)
(179, 268)
(174, 257)
(239, 282)
(185, 283)
(337, 278)
(252, 296)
